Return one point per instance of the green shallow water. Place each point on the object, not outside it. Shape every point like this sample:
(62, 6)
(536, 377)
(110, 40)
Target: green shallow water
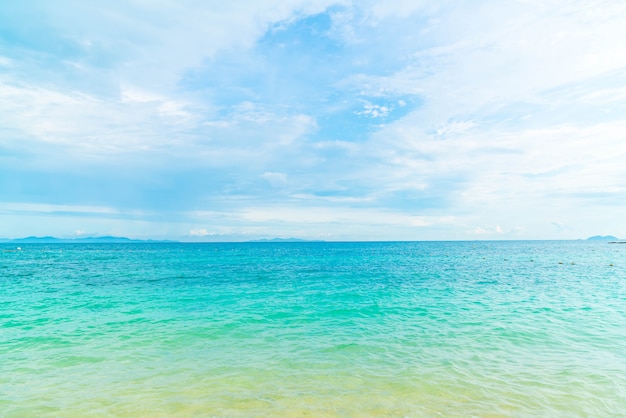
(313, 329)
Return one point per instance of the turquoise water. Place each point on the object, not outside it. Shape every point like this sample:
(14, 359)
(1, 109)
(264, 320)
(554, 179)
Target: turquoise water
(313, 329)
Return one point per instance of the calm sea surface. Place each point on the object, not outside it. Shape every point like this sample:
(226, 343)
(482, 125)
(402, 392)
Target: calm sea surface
(316, 329)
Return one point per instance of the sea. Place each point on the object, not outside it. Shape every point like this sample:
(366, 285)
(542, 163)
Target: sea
(319, 329)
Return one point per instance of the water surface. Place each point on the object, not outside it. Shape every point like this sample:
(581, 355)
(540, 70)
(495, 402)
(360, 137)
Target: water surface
(319, 329)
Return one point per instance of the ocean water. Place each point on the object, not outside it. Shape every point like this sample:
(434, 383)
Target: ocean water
(420, 329)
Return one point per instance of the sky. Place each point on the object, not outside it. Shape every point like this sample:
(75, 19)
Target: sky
(317, 119)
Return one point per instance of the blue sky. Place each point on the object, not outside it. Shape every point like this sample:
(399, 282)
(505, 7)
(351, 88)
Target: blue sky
(334, 120)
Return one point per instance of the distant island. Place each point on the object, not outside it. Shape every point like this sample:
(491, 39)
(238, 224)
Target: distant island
(606, 238)
(82, 240)
(603, 238)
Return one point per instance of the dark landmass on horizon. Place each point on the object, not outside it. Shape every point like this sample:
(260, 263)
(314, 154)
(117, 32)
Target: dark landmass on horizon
(611, 239)
(603, 238)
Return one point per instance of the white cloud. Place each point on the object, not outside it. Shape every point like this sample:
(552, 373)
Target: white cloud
(332, 215)
(275, 179)
(156, 43)
(16, 207)
(375, 111)
(173, 109)
(200, 232)
(334, 199)
(133, 95)
(491, 230)
(453, 128)
(5, 62)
